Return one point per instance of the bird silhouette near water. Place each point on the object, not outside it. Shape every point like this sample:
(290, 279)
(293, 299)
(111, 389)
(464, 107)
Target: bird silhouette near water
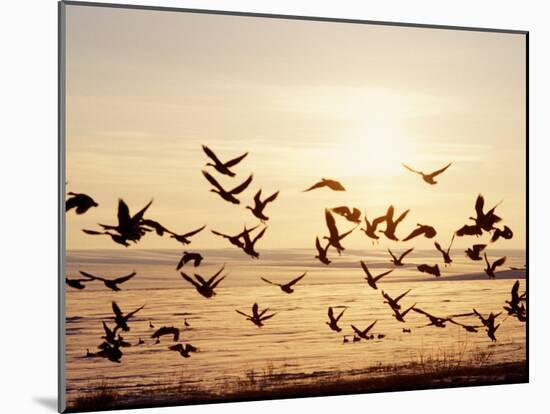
(370, 227)
(121, 320)
(196, 258)
(491, 267)
(353, 214)
(286, 287)
(422, 229)
(371, 280)
(474, 252)
(333, 321)
(258, 317)
(110, 283)
(398, 261)
(184, 238)
(363, 334)
(259, 205)
(167, 330)
(391, 224)
(205, 287)
(446, 253)
(431, 270)
(334, 237)
(322, 252)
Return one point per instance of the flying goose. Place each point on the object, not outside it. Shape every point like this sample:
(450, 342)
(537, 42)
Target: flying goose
(399, 261)
(286, 287)
(400, 316)
(332, 184)
(370, 227)
(351, 215)
(259, 205)
(196, 258)
(110, 283)
(490, 269)
(184, 238)
(506, 233)
(205, 287)
(249, 244)
(80, 202)
(228, 195)
(431, 270)
(77, 283)
(222, 167)
(371, 280)
(363, 333)
(235, 240)
(334, 236)
(391, 224)
(434, 320)
(322, 252)
(474, 251)
(422, 229)
(167, 330)
(183, 350)
(429, 178)
(394, 302)
(257, 318)
(121, 320)
(333, 321)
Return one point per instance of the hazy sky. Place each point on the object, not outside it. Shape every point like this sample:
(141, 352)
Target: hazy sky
(307, 100)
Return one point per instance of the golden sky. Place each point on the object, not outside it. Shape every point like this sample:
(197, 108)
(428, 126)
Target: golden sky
(307, 100)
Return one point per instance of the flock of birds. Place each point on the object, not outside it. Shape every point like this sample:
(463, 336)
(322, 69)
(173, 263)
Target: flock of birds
(132, 228)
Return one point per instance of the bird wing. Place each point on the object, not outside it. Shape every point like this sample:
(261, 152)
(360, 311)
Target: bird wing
(192, 233)
(189, 279)
(381, 275)
(370, 327)
(342, 210)
(213, 181)
(498, 262)
(477, 248)
(392, 255)
(411, 169)
(235, 161)
(377, 221)
(257, 199)
(320, 184)
(215, 275)
(123, 213)
(181, 262)
(211, 154)
(124, 278)
(515, 292)
(89, 276)
(436, 173)
(401, 217)
(271, 198)
(190, 348)
(240, 188)
(480, 202)
(438, 247)
(265, 318)
(259, 235)
(159, 228)
(139, 215)
(331, 313)
(397, 299)
(242, 313)
(341, 236)
(406, 252)
(358, 331)
(217, 282)
(128, 316)
(217, 233)
(416, 232)
(417, 310)
(269, 281)
(365, 269)
(340, 315)
(71, 203)
(116, 309)
(293, 282)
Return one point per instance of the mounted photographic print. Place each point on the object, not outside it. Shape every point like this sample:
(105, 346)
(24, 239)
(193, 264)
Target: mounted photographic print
(257, 207)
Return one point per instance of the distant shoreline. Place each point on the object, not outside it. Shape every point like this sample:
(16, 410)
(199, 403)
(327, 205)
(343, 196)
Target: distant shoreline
(271, 385)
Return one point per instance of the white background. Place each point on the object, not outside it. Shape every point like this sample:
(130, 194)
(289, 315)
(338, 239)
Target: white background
(28, 151)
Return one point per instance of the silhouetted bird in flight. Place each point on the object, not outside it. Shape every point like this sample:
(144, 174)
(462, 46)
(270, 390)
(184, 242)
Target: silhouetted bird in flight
(110, 283)
(183, 350)
(128, 228)
(371, 280)
(431, 270)
(519, 268)
(122, 320)
(399, 261)
(351, 215)
(429, 178)
(370, 228)
(469, 230)
(205, 287)
(485, 221)
(363, 333)
(446, 253)
(391, 224)
(334, 236)
(257, 317)
(490, 269)
(77, 283)
(515, 307)
(110, 352)
(332, 184)
(260, 205)
(286, 287)
(422, 229)
(506, 233)
(167, 330)
(249, 244)
(228, 195)
(222, 167)
(80, 202)
(235, 240)
(394, 302)
(489, 323)
(400, 316)
(184, 238)
(196, 258)
(434, 320)
(322, 252)
(474, 251)
(333, 321)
